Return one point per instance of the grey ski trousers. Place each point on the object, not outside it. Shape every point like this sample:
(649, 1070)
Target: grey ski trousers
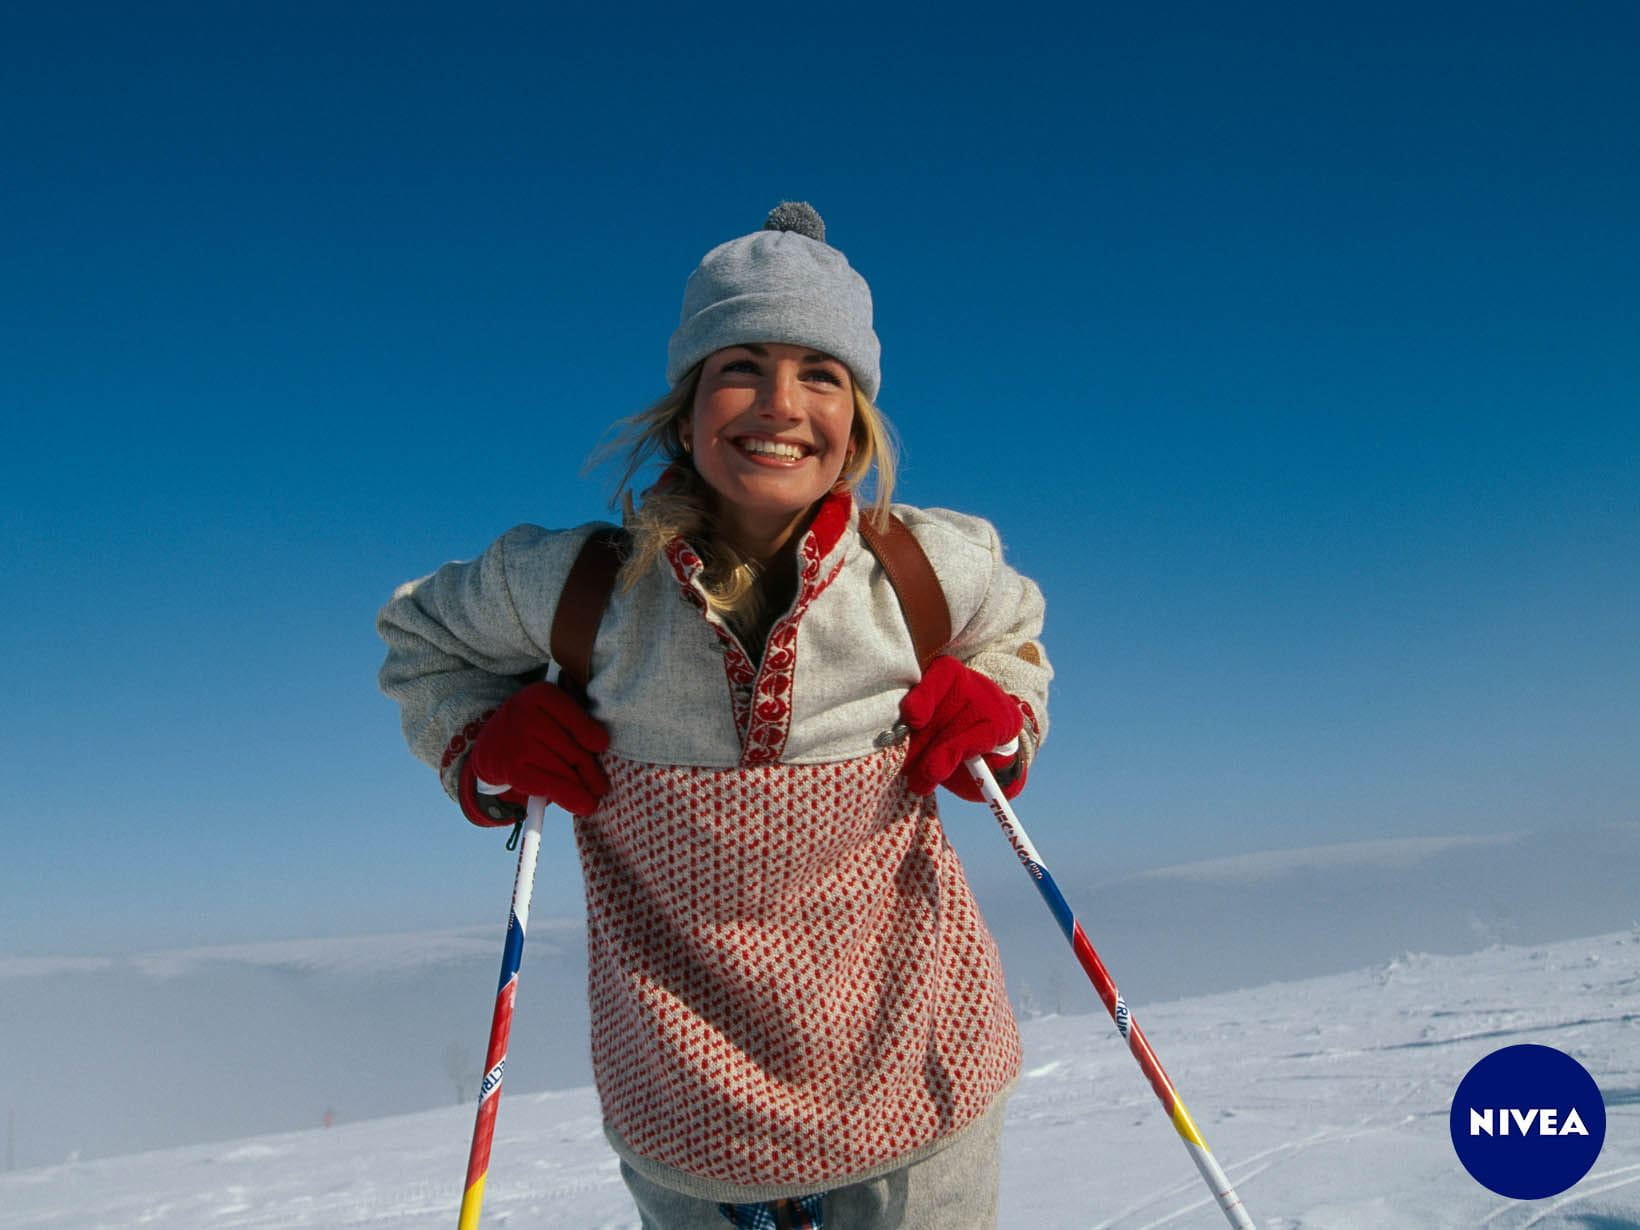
(955, 1189)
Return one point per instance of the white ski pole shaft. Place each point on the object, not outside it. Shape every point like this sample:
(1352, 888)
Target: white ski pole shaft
(1229, 1203)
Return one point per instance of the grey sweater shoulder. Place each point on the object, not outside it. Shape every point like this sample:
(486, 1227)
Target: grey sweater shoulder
(458, 639)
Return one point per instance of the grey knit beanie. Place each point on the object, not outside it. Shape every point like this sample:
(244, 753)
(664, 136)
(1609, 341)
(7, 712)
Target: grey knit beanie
(783, 283)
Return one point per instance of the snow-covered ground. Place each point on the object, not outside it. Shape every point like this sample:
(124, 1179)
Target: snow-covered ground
(1325, 1099)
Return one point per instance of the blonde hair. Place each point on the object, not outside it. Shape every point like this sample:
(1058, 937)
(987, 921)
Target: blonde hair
(680, 503)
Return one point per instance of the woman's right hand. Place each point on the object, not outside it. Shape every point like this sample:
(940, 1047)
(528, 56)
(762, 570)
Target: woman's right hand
(540, 742)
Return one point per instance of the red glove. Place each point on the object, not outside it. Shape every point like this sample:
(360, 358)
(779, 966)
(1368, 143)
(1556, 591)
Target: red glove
(955, 713)
(540, 742)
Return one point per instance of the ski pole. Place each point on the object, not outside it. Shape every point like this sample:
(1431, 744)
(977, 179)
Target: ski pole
(1229, 1202)
(495, 1059)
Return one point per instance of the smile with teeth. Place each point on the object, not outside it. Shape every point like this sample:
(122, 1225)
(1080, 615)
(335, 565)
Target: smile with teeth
(780, 450)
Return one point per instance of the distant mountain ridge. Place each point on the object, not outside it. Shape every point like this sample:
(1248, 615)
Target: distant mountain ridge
(1244, 921)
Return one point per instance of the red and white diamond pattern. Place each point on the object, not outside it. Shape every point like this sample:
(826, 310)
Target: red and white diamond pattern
(789, 979)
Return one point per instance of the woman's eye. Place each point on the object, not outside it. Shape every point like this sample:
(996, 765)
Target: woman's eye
(820, 373)
(739, 365)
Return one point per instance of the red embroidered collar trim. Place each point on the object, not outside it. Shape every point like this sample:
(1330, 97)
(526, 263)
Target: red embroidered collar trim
(829, 524)
(819, 541)
(760, 695)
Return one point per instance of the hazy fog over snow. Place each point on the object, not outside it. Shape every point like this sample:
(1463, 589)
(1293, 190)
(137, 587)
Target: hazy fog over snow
(112, 1055)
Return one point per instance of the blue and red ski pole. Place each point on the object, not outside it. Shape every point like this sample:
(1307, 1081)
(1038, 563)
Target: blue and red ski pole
(1223, 1192)
(495, 1059)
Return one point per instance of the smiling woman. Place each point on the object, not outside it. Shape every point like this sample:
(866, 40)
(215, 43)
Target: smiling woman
(769, 433)
(798, 1014)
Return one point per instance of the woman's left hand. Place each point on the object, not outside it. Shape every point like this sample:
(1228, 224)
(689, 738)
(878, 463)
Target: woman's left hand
(954, 713)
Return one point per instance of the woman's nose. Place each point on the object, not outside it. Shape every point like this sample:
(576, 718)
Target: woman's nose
(780, 393)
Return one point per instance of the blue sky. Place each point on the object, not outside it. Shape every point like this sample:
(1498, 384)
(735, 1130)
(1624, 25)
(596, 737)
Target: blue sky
(1292, 350)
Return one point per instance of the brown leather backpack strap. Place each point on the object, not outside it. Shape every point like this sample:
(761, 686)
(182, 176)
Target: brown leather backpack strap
(581, 606)
(921, 598)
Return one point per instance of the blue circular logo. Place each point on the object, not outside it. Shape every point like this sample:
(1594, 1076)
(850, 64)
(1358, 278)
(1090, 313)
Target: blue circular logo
(1528, 1122)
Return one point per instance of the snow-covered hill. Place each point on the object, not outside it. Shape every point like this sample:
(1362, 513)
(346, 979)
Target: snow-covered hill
(1326, 1101)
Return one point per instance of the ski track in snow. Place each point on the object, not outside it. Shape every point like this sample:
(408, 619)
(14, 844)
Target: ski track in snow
(1326, 1101)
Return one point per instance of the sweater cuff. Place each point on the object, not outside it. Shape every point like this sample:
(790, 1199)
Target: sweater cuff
(452, 762)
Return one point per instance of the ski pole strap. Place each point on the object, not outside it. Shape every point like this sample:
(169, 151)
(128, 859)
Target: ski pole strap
(918, 589)
(581, 606)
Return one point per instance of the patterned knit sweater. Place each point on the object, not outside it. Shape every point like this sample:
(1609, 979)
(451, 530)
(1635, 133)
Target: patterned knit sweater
(790, 984)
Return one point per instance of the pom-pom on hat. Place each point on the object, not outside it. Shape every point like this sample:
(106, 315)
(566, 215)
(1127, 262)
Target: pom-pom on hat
(783, 283)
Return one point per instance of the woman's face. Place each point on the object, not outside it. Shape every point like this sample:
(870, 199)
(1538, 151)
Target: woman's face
(769, 433)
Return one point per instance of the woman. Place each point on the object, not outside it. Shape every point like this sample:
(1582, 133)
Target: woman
(798, 1014)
